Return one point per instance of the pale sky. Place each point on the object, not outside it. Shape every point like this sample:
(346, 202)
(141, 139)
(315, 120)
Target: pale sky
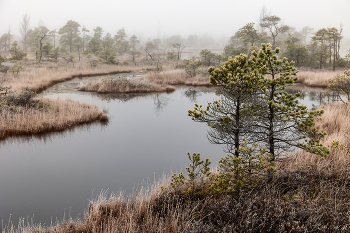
(145, 18)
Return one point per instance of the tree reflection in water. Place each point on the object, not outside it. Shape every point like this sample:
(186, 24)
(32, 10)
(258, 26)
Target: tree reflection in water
(160, 102)
(192, 94)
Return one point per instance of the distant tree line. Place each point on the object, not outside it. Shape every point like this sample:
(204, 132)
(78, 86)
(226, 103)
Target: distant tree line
(318, 49)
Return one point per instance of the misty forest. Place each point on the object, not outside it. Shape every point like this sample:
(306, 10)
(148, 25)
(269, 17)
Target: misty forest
(110, 132)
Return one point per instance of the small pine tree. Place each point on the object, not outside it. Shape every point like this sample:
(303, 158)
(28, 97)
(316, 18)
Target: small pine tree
(243, 172)
(255, 106)
(198, 170)
(283, 124)
(16, 53)
(2, 59)
(340, 85)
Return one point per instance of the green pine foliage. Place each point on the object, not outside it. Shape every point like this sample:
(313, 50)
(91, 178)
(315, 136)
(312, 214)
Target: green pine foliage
(2, 59)
(17, 53)
(340, 86)
(196, 174)
(231, 116)
(243, 172)
(191, 66)
(108, 56)
(255, 112)
(283, 124)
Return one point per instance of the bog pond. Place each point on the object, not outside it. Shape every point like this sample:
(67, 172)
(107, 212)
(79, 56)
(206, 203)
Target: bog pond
(53, 176)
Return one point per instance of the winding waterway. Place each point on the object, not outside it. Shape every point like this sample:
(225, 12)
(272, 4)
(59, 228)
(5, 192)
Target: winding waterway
(54, 176)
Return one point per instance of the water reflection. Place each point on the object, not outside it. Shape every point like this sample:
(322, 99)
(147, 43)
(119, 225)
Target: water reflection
(51, 136)
(160, 102)
(192, 94)
(147, 135)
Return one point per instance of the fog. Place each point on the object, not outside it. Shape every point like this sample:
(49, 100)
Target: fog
(163, 18)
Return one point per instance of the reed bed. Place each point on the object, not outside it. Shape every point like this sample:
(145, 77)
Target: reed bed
(316, 78)
(58, 115)
(336, 123)
(123, 85)
(175, 77)
(308, 194)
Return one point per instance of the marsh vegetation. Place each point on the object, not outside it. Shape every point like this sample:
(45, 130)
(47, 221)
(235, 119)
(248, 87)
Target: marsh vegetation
(263, 184)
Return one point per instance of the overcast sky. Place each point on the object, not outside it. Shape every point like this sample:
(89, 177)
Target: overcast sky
(148, 18)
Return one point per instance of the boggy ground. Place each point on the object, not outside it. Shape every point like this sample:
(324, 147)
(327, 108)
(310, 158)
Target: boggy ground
(308, 194)
(30, 116)
(38, 77)
(150, 82)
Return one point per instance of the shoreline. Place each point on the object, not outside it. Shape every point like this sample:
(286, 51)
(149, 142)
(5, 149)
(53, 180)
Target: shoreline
(52, 118)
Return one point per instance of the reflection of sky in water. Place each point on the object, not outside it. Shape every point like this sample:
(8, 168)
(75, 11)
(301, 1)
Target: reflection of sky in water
(148, 135)
(311, 97)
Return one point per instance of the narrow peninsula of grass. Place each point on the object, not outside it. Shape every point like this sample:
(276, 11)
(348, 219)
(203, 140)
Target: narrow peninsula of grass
(123, 85)
(20, 112)
(53, 115)
(40, 77)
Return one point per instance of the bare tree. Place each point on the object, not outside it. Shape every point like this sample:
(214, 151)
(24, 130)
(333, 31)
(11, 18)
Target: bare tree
(305, 31)
(179, 49)
(42, 33)
(133, 42)
(339, 39)
(263, 14)
(84, 39)
(272, 23)
(53, 33)
(23, 29)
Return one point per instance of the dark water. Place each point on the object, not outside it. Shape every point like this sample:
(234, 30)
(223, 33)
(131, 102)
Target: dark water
(57, 174)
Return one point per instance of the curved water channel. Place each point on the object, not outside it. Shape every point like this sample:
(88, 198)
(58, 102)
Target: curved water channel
(53, 176)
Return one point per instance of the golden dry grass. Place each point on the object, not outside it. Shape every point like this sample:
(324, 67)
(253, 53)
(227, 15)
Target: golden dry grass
(174, 77)
(58, 116)
(40, 77)
(287, 205)
(336, 123)
(309, 194)
(70, 113)
(316, 78)
(121, 85)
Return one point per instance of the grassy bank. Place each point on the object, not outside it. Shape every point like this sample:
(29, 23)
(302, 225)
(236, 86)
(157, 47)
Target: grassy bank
(61, 114)
(41, 77)
(308, 194)
(150, 82)
(316, 78)
(54, 115)
(174, 77)
(123, 85)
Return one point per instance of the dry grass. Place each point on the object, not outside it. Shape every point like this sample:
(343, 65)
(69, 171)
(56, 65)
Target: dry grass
(316, 78)
(175, 77)
(336, 122)
(62, 114)
(308, 194)
(40, 77)
(58, 116)
(123, 85)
